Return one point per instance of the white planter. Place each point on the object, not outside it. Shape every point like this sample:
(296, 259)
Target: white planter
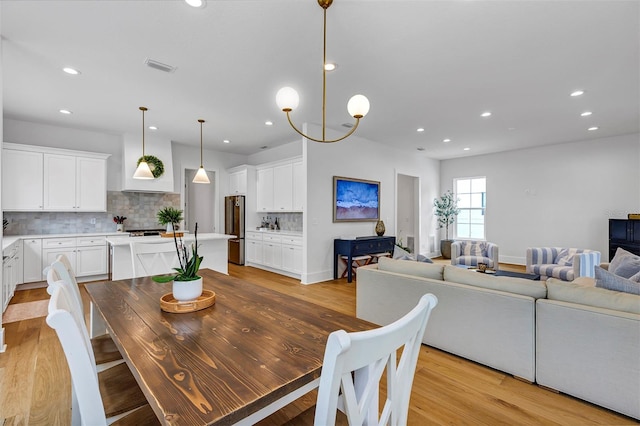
(185, 291)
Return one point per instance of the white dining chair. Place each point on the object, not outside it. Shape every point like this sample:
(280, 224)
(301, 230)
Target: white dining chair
(109, 397)
(354, 363)
(153, 258)
(105, 351)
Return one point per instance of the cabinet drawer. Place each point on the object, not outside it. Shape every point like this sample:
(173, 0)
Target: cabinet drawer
(292, 240)
(272, 238)
(58, 242)
(91, 241)
(255, 236)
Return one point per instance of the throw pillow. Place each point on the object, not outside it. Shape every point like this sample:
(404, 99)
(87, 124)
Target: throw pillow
(399, 252)
(472, 248)
(605, 279)
(424, 259)
(565, 257)
(624, 264)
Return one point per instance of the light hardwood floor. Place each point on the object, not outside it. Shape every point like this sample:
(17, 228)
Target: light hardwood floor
(447, 390)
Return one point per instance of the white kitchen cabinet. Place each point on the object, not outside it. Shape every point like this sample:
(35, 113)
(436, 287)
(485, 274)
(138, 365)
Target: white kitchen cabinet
(50, 179)
(283, 188)
(253, 247)
(238, 182)
(87, 255)
(32, 260)
(272, 251)
(299, 186)
(292, 254)
(11, 271)
(22, 180)
(265, 190)
(73, 183)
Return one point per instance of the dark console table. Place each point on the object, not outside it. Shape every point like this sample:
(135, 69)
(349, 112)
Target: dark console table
(359, 247)
(624, 233)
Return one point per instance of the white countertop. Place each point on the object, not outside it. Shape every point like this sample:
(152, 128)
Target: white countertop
(7, 240)
(273, 231)
(121, 240)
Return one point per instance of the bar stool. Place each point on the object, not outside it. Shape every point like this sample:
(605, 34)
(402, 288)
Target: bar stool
(375, 257)
(356, 262)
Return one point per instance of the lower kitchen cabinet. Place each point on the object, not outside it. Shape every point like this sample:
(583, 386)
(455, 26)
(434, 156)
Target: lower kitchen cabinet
(87, 255)
(32, 260)
(11, 272)
(281, 253)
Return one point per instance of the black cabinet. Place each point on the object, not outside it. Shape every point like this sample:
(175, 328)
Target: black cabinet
(624, 233)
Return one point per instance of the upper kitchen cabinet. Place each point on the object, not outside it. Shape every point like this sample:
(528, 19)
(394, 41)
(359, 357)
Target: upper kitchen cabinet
(239, 178)
(281, 187)
(22, 181)
(49, 179)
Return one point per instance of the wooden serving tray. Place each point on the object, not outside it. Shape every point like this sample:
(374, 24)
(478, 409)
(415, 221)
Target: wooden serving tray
(169, 304)
(170, 234)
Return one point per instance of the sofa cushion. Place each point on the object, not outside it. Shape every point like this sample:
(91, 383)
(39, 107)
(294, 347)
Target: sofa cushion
(411, 267)
(535, 289)
(592, 296)
(605, 279)
(552, 270)
(624, 264)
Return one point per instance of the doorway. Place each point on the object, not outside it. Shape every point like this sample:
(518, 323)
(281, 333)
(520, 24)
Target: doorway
(199, 203)
(408, 212)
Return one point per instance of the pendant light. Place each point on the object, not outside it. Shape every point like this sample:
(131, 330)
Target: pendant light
(143, 171)
(201, 176)
(287, 98)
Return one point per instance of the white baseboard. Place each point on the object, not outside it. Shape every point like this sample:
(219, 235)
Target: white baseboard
(513, 260)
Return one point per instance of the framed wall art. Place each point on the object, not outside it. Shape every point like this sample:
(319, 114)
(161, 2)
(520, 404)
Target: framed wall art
(355, 200)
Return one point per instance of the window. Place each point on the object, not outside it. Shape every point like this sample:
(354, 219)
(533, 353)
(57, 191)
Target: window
(472, 202)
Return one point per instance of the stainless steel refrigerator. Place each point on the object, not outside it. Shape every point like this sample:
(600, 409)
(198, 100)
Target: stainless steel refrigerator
(234, 225)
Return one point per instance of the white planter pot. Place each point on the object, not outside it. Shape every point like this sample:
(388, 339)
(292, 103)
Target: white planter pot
(185, 291)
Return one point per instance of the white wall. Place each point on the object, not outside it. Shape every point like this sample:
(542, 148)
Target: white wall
(281, 152)
(358, 158)
(39, 134)
(555, 195)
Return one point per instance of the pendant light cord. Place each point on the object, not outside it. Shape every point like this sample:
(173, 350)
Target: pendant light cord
(143, 109)
(324, 74)
(201, 121)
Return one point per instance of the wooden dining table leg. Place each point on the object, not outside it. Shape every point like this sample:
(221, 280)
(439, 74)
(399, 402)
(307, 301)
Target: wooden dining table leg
(97, 326)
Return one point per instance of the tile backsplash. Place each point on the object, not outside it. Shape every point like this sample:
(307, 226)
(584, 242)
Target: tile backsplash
(139, 208)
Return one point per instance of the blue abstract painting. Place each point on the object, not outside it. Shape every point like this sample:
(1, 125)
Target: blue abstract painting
(356, 199)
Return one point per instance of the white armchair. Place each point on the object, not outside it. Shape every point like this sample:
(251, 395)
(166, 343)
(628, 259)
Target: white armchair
(563, 263)
(470, 253)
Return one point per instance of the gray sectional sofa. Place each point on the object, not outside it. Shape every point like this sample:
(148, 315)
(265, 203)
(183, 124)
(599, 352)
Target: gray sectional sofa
(572, 337)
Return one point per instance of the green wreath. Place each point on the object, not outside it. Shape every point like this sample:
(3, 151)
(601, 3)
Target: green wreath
(156, 166)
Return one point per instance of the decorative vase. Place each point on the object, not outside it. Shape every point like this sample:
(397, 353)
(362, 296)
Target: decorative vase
(186, 291)
(119, 227)
(380, 228)
(445, 248)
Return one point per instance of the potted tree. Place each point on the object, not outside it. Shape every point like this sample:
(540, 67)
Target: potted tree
(446, 209)
(187, 284)
(170, 217)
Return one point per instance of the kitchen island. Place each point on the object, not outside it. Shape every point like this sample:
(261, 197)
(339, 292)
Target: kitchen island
(213, 247)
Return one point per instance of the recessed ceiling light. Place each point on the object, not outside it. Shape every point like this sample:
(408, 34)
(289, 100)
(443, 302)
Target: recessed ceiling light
(446, 140)
(226, 141)
(268, 123)
(329, 66)
(153, 128)
(467, 149)
(71, 71)
(577, 93)
(593, 128)
(420, 129)
(485, 114)
(195, 3)
(65, 111)
(586, 114)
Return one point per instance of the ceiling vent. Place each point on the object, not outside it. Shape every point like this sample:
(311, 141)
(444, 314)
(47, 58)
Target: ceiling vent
(159, 65)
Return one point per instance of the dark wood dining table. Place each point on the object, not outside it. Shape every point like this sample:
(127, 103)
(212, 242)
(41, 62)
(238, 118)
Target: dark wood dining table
(252, 352)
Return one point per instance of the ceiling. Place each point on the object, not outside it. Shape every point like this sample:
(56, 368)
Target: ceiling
(431, 64)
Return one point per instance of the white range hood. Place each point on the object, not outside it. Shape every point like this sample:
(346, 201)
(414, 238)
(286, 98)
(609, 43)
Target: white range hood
(132, 151)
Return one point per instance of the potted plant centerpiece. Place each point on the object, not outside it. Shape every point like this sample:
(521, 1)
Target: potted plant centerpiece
(187, 284)
(446, 210)
(170, 217)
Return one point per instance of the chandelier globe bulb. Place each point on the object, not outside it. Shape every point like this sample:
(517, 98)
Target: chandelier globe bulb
(287, 99)
(358, 106)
